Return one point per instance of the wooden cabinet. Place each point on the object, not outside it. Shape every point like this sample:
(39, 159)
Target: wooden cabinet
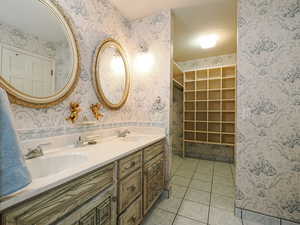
(58, 202)
(91, 199)
(133, 215)
(130, 164)
(153, 150)
(140, 183)
(129, 189)
(153, 181)
(101, 210)
(89, 219)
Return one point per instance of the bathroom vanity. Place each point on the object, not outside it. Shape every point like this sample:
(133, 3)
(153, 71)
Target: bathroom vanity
(112, 187)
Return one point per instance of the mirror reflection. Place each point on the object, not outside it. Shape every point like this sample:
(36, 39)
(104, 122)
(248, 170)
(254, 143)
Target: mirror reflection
(112, 74)
(36, 57)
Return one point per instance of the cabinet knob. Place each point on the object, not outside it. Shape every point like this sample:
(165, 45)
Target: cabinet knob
(113, 198)
(132, 188)
(132, 164)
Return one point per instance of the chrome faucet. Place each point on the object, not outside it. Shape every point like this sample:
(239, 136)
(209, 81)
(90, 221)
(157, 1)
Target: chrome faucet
(35, 152)
(123, 133)
(87, 140)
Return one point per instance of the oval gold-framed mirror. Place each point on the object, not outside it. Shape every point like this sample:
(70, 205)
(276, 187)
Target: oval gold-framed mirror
(111, 74)
(40, 59)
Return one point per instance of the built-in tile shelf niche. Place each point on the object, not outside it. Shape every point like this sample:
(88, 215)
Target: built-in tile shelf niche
(210, 105)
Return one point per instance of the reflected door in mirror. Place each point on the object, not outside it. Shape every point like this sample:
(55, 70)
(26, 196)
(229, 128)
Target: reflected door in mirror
(29, 74)
(38, 53)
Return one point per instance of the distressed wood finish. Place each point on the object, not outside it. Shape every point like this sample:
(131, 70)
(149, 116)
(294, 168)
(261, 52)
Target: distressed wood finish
(153, 181)
(130, 164)
(133, 215)
(102, 207)
(53, 205)
(129, 189)
(153, 150)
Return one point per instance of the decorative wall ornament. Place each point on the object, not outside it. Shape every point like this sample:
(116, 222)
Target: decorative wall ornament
(75, 110)
(96, 110)
(158, 105)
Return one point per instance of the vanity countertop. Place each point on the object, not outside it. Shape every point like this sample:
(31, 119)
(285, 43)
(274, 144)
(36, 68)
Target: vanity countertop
(97, 156)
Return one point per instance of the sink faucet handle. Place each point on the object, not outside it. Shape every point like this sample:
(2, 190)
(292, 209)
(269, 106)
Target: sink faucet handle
(45, 144)
(40, 146)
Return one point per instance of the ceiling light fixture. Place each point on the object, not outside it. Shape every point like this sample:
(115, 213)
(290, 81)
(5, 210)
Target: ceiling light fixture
(208, 41)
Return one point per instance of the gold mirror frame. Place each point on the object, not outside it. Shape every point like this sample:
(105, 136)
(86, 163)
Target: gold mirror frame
(20, 98)
(96, 74)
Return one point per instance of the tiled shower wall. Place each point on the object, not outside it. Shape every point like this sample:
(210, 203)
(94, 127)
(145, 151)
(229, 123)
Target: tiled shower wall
(177, 121)
(268, 105)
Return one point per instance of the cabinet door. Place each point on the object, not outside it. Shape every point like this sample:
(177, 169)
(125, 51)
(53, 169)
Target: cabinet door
(104, 213)
(153, 181)
(129, 189)
(89, 219)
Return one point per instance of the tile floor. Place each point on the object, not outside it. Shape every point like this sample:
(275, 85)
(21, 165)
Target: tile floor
(202, 193)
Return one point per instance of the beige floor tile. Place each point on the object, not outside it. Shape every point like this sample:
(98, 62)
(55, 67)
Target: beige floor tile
(204, 169)
(194, 211)
(201, 197)
(188, 166)
(180, 220)
(169, 204)
(184, 173)
(223, 180)
(222, 172)
(203, 176)
(222, 165)
(223, 217)
(201, 185)
(222, 202)
(178, 191)
(178, 180)
(159, 217)
(223, 189)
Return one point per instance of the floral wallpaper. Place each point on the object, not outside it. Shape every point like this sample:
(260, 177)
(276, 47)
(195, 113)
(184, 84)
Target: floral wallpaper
(177, 121)
(213, 61)
(148, 103)
(268, 108)
(93, 21)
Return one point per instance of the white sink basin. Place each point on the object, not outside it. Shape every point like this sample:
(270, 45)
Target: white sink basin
(134, 138)
(49, 165)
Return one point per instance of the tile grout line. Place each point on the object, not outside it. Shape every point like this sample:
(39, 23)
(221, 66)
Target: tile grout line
(212, 181)
(182, 201)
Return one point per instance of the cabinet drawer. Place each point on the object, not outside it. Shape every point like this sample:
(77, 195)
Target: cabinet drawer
(129, 189)
(153, 150)
(56, 203)
(130, 164)
(153, 181)
(133, 215)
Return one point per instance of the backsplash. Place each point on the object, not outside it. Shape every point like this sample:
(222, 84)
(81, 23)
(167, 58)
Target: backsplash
(214, 61)
(94, 21)
(268, 108)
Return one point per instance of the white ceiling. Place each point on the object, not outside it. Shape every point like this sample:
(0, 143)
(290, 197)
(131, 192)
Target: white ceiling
(192, 18)
(134, 9)
(32, 17)
(218, 17)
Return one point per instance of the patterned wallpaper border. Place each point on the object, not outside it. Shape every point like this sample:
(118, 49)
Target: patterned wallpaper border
(213, 61)
(31, 134)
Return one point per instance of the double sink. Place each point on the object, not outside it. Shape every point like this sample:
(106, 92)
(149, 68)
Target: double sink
(52, 164)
